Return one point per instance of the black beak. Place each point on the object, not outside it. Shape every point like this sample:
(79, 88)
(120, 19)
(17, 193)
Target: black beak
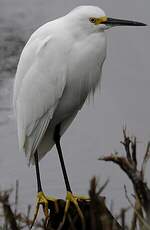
(120, 22)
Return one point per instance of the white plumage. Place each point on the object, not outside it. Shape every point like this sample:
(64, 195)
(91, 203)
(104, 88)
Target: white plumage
(59, 67)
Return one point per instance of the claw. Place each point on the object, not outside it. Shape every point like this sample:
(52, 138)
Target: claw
(44, 201)
(74, 199)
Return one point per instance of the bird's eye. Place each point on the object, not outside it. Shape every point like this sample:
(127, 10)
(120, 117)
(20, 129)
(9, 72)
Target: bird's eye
(92, 20)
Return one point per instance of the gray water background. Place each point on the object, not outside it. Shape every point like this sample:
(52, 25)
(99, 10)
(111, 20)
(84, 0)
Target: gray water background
(97, 130)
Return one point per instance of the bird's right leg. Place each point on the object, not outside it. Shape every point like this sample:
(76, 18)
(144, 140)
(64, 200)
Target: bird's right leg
(42, 199)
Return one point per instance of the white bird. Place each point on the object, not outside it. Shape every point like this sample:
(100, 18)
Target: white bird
(59, 67)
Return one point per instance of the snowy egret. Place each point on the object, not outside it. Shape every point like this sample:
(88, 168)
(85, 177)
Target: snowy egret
(59, 67)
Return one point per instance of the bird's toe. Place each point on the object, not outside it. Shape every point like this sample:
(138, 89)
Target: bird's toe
(74, 199)
(46, 202)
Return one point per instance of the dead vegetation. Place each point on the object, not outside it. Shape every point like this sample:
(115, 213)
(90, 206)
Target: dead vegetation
(128, 164)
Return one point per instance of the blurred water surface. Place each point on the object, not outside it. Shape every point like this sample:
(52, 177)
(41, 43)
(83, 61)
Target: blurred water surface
(97, 129)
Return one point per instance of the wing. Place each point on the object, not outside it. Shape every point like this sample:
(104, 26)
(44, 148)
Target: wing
(39, 84)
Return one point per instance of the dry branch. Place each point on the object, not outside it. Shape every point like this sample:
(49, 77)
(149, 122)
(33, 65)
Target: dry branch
(128, 164)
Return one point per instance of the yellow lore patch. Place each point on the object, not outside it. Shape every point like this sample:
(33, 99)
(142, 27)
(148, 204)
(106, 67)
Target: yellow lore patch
(98, 21)
(101, 20)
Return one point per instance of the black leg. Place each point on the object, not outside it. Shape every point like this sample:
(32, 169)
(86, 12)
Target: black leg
(58, 146)
(39, 185)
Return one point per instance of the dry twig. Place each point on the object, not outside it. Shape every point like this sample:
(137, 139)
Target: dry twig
(128, 164)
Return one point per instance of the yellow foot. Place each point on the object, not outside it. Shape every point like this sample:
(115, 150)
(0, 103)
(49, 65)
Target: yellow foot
(44, 201)
(82, 197)
(74, 199)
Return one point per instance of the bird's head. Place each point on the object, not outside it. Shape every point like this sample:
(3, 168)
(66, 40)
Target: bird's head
(93, 18)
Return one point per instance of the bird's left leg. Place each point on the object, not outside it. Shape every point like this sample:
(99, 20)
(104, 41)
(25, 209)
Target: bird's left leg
(69, 197)
(42, 199)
